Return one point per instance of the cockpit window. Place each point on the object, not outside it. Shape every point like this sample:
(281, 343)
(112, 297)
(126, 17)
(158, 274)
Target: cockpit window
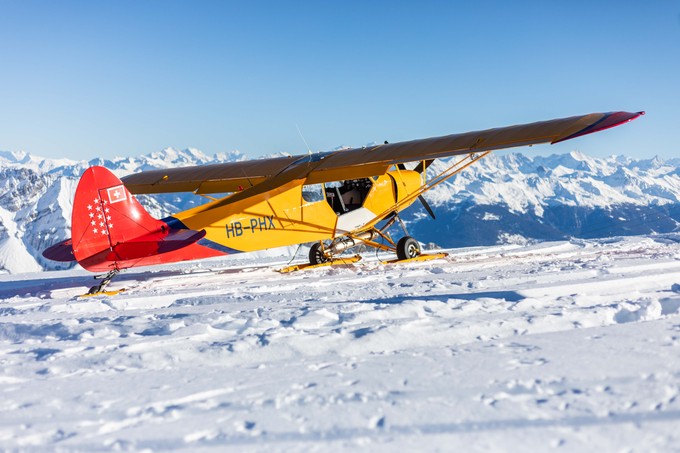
(312, 193)
(348, 195)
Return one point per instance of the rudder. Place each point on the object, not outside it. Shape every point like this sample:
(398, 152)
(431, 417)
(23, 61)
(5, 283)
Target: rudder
(106, 215)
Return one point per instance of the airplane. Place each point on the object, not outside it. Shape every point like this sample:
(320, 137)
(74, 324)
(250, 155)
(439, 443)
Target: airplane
(335, 200)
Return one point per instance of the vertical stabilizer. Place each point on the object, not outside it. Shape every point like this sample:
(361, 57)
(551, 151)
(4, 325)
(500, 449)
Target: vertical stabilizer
(105, 215)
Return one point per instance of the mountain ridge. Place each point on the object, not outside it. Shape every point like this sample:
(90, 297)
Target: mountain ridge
(503, 198)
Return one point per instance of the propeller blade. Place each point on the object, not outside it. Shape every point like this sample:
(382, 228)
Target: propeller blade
(427, 206)
(420, 169)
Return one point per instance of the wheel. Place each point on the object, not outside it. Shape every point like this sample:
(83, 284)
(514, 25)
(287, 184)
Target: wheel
(316, 255)
(407, 248)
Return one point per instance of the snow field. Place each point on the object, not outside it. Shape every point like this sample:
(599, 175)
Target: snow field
(567, 346)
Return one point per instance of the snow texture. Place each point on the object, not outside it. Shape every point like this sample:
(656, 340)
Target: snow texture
(557, 346)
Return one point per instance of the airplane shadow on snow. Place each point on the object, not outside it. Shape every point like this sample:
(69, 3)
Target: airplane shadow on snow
(508, 296)
(42, 286)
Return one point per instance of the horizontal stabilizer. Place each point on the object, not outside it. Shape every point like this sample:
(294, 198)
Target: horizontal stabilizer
(150, 245)
(62, 251)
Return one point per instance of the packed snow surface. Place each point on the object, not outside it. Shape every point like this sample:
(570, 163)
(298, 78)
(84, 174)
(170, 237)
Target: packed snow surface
(556, 346)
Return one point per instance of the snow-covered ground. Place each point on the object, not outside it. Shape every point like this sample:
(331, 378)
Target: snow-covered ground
(557, 346)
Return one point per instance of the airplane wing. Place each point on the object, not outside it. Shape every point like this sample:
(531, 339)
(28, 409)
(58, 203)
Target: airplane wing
(363, 162)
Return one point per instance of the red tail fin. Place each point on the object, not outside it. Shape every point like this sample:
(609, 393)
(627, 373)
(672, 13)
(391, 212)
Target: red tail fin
(105, 214)
(111, 229)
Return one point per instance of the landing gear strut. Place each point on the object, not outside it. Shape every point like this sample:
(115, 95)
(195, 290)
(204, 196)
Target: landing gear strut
(406, 248)
(106, 279)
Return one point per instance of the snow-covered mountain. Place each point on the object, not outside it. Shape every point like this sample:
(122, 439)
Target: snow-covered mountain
(515, 197)
(501, 199)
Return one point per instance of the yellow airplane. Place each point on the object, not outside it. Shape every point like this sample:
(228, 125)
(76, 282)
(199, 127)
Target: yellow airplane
(336, 200)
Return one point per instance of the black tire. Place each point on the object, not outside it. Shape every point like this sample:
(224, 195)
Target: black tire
(407, 248)
(316, 255)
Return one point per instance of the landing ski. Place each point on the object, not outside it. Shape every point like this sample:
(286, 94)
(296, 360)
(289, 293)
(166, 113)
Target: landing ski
(335, 262)
(423, 257)
(103, 293)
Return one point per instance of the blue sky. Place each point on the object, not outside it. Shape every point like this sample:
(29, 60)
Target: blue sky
(105, 78)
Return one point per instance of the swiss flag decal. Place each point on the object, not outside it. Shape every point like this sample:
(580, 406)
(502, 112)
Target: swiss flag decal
(116, 194)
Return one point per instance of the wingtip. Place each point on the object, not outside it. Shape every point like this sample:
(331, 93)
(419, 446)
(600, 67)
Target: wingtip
(608, 120)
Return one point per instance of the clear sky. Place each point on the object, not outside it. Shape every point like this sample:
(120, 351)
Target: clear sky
(117, 78)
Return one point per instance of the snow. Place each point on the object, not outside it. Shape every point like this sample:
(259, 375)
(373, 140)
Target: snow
(22, 159)
(574, 179)
(13, 255)
(565, 346)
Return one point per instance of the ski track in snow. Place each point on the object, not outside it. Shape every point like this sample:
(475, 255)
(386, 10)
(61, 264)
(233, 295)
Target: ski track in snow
(567, 346)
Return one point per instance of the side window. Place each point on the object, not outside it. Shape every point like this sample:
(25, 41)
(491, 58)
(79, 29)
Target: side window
(312, 193)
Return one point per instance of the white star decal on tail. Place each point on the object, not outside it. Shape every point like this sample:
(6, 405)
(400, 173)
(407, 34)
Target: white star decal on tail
(100, 223)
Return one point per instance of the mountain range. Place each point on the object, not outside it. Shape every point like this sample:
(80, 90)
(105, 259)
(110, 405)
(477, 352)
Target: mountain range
(508, 198)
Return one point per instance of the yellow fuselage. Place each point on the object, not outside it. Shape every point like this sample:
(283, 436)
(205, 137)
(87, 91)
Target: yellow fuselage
(283, 217)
